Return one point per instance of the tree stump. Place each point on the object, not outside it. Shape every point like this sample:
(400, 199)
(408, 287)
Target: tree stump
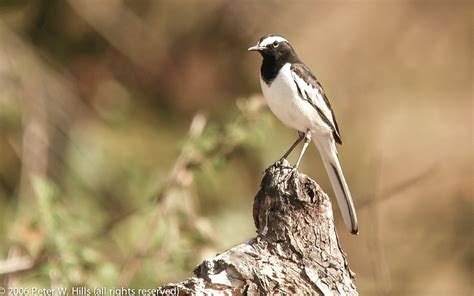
(296, 251)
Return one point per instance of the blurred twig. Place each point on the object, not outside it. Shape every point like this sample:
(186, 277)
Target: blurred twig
(193, 156)
(49, 105)
(16, 264)
(375, 239)
(123, 29)
(375, 244)
(224, 143)
(178, 173)
(397, 188)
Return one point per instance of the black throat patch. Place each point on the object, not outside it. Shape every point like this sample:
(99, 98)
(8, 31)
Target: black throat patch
(270, 68)
(274, 58)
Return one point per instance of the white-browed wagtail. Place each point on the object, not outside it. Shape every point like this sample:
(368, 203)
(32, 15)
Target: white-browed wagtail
(296, 97)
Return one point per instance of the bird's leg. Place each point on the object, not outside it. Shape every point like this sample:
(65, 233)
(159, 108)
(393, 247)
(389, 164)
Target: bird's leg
(307, 139)
(300, 137)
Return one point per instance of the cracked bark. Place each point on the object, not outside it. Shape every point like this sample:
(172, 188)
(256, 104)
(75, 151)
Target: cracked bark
(296, 251)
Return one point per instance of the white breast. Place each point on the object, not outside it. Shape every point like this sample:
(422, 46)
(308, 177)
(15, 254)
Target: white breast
(283, 99)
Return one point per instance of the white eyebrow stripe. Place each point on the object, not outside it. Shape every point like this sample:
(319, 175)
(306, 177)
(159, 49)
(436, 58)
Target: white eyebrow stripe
(271, 39)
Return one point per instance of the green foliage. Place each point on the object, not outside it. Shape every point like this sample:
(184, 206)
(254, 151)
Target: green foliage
(76, 247)
(70, 262)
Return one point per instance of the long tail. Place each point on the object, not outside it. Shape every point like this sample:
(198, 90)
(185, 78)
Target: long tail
(327, 148)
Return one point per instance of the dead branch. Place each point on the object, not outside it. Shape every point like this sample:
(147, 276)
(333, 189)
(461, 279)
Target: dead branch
(296, 251)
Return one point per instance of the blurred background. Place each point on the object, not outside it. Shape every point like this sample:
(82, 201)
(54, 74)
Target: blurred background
(133, 136)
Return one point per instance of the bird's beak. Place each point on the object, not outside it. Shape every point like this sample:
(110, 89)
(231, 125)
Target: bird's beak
(255, 48)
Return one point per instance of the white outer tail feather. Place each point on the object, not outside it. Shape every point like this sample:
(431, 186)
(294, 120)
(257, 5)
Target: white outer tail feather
(327, 149)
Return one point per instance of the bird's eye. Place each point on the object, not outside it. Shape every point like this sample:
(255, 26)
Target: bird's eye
(275, 44)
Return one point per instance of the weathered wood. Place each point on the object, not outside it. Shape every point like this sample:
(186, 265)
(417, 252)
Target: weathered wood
(296, 251)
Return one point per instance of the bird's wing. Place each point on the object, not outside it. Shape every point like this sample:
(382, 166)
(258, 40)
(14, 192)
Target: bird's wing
(310, 89)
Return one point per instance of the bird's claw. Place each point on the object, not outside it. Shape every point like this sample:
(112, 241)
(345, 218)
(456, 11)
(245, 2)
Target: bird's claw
(289, 174)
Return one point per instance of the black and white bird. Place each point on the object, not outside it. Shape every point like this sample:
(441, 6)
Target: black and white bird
(296, 97)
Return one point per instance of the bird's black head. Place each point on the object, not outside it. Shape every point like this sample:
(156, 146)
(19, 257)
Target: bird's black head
(276, 52)
(275, 47)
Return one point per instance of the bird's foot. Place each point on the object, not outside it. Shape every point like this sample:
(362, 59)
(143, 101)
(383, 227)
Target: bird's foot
(290, 173)
(288, 167)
